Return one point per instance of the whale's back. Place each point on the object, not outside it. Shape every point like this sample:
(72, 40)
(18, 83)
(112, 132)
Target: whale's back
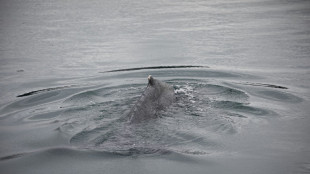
(157, 96)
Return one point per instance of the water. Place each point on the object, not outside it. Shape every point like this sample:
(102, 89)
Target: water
(71, 70)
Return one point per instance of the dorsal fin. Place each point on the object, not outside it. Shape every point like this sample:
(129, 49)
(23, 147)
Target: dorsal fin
(150, 79)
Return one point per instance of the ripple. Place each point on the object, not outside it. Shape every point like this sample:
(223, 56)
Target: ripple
(42, 91)
(42, 100)
(264, 85)
(240, 107)
(279, 96)
(47, 115)
(9, 157)
(158, 67)
(201, 108)
(94, 116)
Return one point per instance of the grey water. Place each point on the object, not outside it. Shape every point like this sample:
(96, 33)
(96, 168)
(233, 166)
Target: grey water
(70, 71)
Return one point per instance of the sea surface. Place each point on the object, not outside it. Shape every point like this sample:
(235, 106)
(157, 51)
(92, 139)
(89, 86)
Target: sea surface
(70, 71)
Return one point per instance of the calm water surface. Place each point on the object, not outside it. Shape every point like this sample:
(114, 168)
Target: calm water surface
(245, 109)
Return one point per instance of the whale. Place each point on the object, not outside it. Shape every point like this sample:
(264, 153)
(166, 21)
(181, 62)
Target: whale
(156, 97)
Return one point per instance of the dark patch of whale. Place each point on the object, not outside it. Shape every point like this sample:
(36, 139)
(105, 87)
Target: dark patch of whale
(157, 96)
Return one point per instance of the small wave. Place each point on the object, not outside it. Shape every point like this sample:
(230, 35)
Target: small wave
(240, 107)
(156, 67)
(137, 151)
(263, 85)
(9, 157)
(60, 151)
(279, 96)
(55, 153)
(42, 90)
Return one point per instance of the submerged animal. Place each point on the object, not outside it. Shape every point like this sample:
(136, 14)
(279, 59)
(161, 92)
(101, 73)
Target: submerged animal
(157, 96)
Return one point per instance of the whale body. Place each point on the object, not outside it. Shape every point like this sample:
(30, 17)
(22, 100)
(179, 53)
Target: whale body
(157, 96)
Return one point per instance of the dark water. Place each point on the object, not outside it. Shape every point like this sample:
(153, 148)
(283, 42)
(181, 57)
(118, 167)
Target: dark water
(71, 70)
